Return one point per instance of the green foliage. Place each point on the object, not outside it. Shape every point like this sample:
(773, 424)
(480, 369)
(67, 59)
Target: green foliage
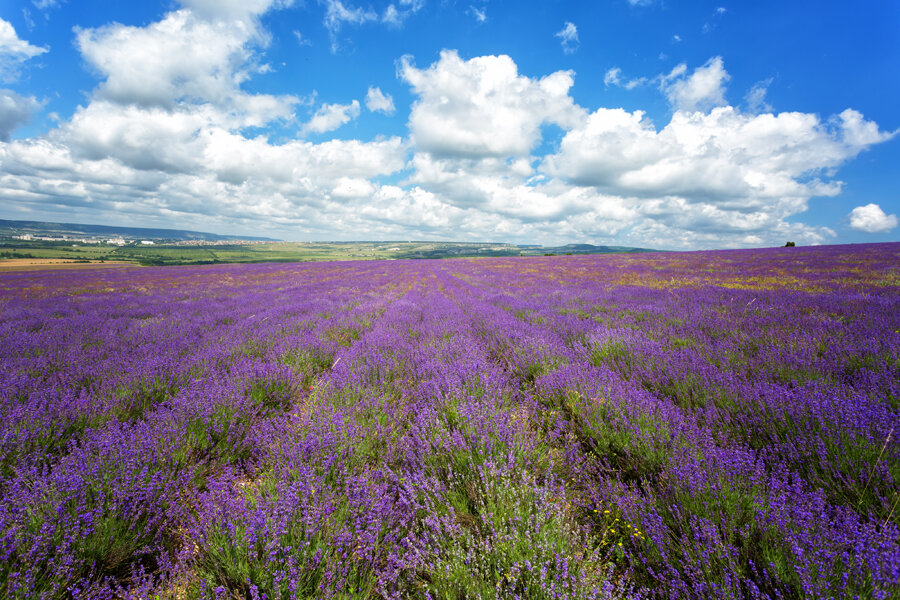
(614, 353)
(307, 362)
(270, 395)
(103, 526)
(515, 538)
(210, 440)
(637, 444)
(239, 560)
(343, 335)
(134, 400)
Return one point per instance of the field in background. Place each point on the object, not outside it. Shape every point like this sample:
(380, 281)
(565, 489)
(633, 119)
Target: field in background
(672, 425)
(195, 253)
(32, 264)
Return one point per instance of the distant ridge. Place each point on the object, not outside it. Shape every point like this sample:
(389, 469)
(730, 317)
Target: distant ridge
(43, 228)
(44, 232)
(591, 249)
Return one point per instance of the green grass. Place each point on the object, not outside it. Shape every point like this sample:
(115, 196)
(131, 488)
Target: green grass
(307, 362)
(170, 254)
(511, 536)
(123, 534)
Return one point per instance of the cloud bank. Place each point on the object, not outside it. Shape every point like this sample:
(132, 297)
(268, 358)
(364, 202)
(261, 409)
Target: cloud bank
(181, 144)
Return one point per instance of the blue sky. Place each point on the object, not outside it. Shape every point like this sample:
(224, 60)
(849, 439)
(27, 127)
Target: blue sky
(642, 123)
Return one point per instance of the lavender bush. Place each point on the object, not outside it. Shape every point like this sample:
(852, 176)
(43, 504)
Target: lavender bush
(695, 425)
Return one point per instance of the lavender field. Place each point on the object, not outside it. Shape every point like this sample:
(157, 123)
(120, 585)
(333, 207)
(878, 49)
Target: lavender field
(686, 425)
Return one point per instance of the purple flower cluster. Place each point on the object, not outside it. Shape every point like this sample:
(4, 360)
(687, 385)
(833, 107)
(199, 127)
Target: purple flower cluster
(692, 425)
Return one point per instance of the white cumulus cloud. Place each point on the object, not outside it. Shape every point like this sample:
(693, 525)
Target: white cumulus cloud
(12, 45)
(741, 159)
(721, 172)
(232, 9)
(872, 219)
(181, 59)
(378, 101)
(352, 187)
(701, 90)
(14, 51)
(331, 116)
(141, 138)
(482, 107)
(858, 133)
(15, 110)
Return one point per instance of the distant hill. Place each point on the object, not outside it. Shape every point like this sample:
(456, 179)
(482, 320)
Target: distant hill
(591, 249)
(45, 229)
(82, 243)
(469, 249)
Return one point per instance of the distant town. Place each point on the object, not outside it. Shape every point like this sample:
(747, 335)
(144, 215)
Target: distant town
(122, 241)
